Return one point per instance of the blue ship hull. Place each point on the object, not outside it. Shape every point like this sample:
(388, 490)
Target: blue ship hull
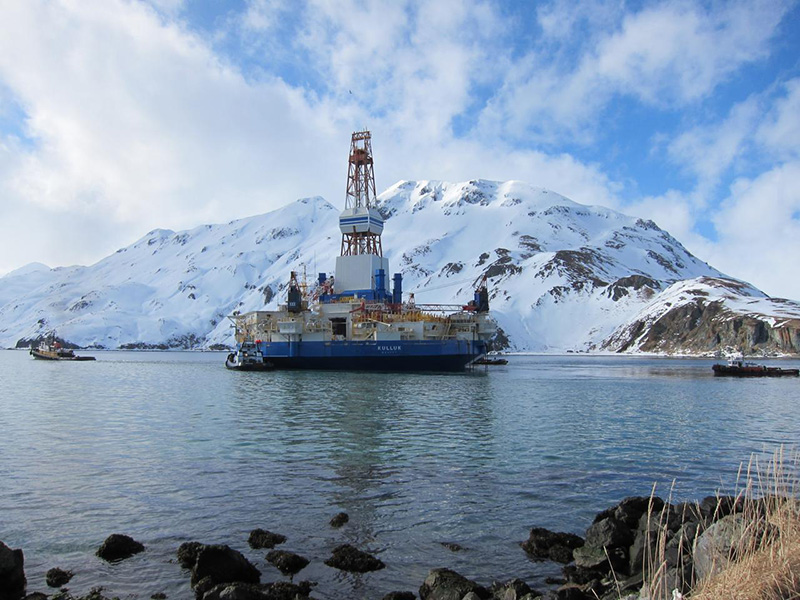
(405, 355)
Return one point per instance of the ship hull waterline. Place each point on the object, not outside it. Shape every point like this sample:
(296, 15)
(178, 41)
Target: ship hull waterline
(411, 355)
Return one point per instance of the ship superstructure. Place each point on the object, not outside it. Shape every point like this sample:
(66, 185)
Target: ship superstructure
(355, 320)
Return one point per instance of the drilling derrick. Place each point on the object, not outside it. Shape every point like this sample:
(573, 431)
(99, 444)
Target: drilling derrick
(361, 225)
(361, 268)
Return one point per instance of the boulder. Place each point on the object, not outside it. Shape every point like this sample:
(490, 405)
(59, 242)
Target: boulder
(96, 593)
(591, 558)
(579, 575)
(630, 585)
(609, 533)
(400, 596)
(602, 560)
(12, 573)
(261, 538)
(56, 577)
(644, 548)
(221, 564)
(118, 546)
(516, 589)
(282, 590)
(445, 584)
(187, 554)
(718, 544)
(631, 509)
(287, 562)
(714, 508)
(236, 591)
(339, 519)
(572, 591)
(543, 544)
(349, 558)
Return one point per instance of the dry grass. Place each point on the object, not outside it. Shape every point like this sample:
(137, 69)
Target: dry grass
(764, 561)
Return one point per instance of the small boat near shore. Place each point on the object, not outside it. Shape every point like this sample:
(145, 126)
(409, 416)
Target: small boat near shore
(738, 367)
(53, 350)
(488, 360)
(247, 358)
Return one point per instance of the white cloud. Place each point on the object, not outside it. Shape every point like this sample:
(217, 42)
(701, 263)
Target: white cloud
(667, 55)
(707, 151)
(138, 124)
(676, 53)
(264, 15)
(759, 230)
(780, 131)
(139, 121)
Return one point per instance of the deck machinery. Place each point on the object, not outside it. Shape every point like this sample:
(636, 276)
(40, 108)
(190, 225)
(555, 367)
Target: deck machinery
(355, 321)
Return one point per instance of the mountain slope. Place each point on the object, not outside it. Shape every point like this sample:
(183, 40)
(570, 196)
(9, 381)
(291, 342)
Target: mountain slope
(707, 314)
(167, 289)
(563, 276)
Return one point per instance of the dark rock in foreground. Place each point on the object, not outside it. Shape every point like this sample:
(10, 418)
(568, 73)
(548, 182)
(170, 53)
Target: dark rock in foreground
(221, 564)
(187, 554)
(516, 589)
(12, 573)
(118, 546)
(281, 590)
(349, 558)
(287, 562)
(400, 596)
(543, 544)
(261, 538)
(445, 584)
(95, 593)
(56, 577)
(340, 519)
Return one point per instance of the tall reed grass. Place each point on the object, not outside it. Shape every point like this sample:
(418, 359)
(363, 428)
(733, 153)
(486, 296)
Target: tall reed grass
(760, 559)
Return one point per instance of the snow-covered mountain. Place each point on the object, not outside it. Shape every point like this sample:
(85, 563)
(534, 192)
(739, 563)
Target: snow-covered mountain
(563, 276)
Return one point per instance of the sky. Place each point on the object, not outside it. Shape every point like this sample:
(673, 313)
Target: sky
(121, 116)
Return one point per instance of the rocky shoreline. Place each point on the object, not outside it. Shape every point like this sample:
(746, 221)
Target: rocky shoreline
(621, 550)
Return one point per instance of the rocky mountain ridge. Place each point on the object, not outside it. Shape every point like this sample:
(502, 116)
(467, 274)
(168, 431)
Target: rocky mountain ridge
(563, 277)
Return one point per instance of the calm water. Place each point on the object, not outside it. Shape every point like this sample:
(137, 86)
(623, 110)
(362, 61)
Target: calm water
(171, 447)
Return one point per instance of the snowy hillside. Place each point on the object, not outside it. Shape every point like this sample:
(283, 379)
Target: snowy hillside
(563, 276)
(168, 289)
(707, 314)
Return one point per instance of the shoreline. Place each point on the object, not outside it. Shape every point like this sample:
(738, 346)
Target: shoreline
(613, 559)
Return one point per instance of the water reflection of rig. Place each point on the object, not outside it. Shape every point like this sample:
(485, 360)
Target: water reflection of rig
(356, 321)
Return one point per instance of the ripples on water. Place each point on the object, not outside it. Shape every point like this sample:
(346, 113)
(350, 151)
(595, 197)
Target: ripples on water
(171, 447)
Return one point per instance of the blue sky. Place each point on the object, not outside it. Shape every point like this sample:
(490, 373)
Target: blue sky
(117, 117)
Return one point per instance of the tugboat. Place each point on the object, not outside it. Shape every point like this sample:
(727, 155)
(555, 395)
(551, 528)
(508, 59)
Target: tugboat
(737, 367)
(354, 321)
(491, 359)
(50, 349)
(247, 358)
